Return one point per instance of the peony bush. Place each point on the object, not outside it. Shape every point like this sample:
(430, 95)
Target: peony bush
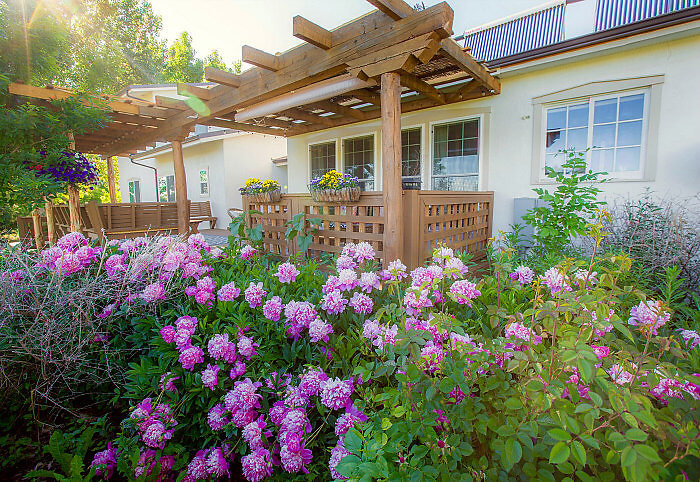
(255, 367)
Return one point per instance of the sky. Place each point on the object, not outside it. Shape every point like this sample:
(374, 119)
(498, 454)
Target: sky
(227, 25)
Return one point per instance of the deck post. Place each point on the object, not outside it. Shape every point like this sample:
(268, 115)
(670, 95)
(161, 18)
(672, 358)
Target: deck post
(110, 180)
(73, 198)
(391, 166)
(50, 222)
(183, 215)
(38, 235)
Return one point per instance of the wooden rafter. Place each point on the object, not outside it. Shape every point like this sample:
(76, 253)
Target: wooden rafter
(222, 77)
(329, 106)
(395, 9)
(414, 83)
(310, 32)
(306, 116)
(194, 91)
(260, 59)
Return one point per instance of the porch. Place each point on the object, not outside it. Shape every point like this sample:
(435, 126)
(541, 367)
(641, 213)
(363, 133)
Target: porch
(460, 220)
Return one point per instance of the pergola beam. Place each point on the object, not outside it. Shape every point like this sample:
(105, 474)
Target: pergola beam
(261, 59)
(194, 91)
(222, 77)
(241, 126)
(346, 111)
(396, 9)
(414, 83)
(306, 116)
(467, 63)
(309, 32)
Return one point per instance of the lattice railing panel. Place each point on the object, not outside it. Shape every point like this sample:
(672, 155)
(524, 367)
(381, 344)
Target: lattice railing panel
(272, 217)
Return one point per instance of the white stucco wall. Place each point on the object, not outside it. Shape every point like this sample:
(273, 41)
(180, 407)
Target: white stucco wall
(230, 160)
(508, 120)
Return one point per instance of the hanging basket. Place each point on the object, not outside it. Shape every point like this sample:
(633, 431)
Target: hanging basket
(266, 197)
(346, 194)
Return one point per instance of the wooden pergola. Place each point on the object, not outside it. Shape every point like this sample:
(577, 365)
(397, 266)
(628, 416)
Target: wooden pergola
(392, 60)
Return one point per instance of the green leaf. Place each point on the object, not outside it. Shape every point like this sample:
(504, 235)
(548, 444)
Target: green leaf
(597, 399)
(559, 434)
(628, 457)
(586, 368)
(512, 454)
(578, 452)
(647, 452)
(346, 467)
(353, 441)
(559, 453)
(636, 434)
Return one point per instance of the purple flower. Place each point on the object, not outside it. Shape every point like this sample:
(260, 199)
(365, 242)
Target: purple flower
(272, 310)
(334, 303)
(228, 292)
(246, 347)
(319, 330)
(335, 393)
(464, 292)
(254, 294)
(209, 376)
(361, 303)
(217, 419)
(257, 465)
(523, 275)
(153, 292)
(190, 356)
(287, 273)
(105, 462)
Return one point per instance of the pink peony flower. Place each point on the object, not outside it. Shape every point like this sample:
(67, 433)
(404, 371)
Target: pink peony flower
(364, 252)
(272, 310)
(338, 453)
(246, 347)
(523, 275)
(287, 273)
(105, 462)
(167, 382)
(216, 418)
(522, 332)
(335, 393)
(431, 357)
(310, 384)
(649, 315)
(168, 333)
(370, 329)
(464, 292)
(228, 292)
(600, 351)
(345, 262)
(217, 466)
(238, 370)
(153, 292)
(347, 279)
(248, 252)
(254, 294)
(691, 338)
(257, 465)
(361, 303)
(369, 281)
(197, 468)
(190, 356)
(334, 303)
(319, 330)
(555, 281)
(209, 376)
(203, 291)
(244, 396)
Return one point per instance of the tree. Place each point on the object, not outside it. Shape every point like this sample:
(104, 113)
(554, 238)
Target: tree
(182, 65)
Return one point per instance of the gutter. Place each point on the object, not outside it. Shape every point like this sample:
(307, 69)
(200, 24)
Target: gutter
(628, 30)
(155, 172)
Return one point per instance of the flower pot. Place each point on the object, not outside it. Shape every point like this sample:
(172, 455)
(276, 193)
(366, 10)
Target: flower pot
(346, 194)
(266, 197)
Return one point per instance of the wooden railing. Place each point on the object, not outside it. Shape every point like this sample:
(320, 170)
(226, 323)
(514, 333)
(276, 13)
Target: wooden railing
(461, 220)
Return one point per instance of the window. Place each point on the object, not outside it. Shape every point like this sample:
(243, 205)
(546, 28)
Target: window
(456, 156)
(358, 160)
(135, 191)
(612, 126)
(166, 188)
(203, 182)
(411, 155)
(322, 158)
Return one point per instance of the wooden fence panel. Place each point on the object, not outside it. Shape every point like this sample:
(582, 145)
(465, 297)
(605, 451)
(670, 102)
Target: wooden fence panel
(272, 217)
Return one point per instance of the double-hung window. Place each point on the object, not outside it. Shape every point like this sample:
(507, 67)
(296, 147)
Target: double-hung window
(609, 130)
(322, 158)
(358, 160)
(166, 188)
(135, 191)
(456, 156)
(411, 155)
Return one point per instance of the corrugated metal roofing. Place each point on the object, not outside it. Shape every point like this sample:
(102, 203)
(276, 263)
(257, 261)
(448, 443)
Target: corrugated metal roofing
(545, 25)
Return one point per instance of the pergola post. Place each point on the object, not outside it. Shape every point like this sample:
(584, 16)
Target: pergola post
(73, 198)
(391, 165)
(110, 180)
(50, 222)
(183, 215)
(38, 235)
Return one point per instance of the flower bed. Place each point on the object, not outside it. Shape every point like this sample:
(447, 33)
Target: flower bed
(255, 367)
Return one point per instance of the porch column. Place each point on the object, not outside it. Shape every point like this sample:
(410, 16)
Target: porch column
(391, 166)
(74, 198)
(110, 180)
(38, 235)
(183, 215)
(50, 222)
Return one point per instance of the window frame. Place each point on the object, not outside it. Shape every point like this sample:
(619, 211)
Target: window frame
(479, 148)
(208, 184)
(375, 168)
(165, 178)
(421, 160)
(133, 184)
(591, 99)
(333, 141)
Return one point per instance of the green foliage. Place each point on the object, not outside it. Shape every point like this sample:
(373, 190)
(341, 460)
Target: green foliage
(182, 65)
(70, 454)
(569, 208)
(36, 135)
(302, 229)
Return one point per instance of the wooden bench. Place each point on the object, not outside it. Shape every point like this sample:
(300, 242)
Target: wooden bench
(200, 212)
(131, 220)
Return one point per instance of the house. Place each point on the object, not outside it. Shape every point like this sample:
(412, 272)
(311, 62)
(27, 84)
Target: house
(218, 161)
(617, 76)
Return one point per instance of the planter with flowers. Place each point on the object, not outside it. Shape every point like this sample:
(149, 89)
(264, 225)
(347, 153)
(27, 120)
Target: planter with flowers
(335, 187)
(267, 191)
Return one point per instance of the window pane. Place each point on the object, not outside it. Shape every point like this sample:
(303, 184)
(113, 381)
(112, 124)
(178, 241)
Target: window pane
(602, 160)
(555, 141)
(628, 159)
(322, 158)
(555, 160)
(605, 111)
(358, 157)
(137, 191)
(411, 154)
(457, 155)
(629, 133)
(556, 118)
(631, 107)
(578, 138)
(604, 136)
(578, 115)
(456, 183)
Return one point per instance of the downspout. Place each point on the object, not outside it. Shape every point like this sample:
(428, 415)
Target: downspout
(155, 173)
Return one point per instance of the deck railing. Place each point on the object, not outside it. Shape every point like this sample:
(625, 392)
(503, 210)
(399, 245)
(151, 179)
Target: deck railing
(461, 220)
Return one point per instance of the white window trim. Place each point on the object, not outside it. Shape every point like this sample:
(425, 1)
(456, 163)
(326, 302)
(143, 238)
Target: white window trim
(377, 168)
(308, 156)
(480, 147)
(199, 182)
(650, 85)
